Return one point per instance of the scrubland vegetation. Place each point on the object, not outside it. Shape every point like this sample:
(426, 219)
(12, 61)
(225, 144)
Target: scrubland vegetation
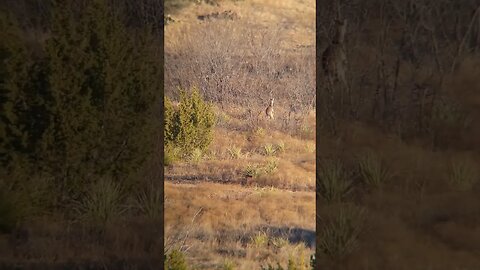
(239, 191)
(398, 184)
(80, 101)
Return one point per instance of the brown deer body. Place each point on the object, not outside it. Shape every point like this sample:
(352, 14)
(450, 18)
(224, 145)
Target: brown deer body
(334, 58)
(269, 110)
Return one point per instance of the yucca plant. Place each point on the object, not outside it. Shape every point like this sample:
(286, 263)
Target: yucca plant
(234, 152)
(271, 166)
(333, 181)
(341, 230)
(102, 203)
(463, 174)
(260, 240)
(310, 147)
(269, 149)
(280, 147)
(372, 169)
(253, 171)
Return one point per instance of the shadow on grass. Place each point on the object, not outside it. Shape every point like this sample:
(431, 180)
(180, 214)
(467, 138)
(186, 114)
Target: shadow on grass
(293, 235)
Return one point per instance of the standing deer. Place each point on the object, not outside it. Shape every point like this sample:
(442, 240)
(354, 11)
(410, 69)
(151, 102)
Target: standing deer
(269, 110)
(334, 58)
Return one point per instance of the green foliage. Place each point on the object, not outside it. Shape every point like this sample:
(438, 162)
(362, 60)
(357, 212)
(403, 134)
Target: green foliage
(190, 126)
(17, 101)
(280, 147)
(196, 155)
(257, 170)
(259, 132)
(81, 109)
(260, 240)
(175, 260)
(253, 171)
(171, 155)
(228, 265)
(333, 181)
(310, 147)
(271, 166)
(269, 149)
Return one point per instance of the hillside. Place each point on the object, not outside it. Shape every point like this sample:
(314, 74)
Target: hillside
(227, 207)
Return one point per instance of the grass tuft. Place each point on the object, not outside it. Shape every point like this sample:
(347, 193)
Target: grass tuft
(271, 167)
(341, 230)
(333, 182)
(102, 203)
(235, 152)
(260, 240)
(372, 170)
(269, 150)
(463, 175)
(253, 171)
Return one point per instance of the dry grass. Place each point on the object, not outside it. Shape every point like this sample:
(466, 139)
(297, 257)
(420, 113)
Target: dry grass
(228, 209)
(425, 216)
(234, 208)
(246, 225)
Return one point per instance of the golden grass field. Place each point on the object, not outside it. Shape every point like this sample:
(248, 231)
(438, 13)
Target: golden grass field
(215, 214)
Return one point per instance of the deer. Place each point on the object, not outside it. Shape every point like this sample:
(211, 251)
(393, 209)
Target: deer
(269, 109)
(334, 58)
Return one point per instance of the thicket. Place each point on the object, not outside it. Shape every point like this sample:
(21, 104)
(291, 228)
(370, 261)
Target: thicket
(175, 260)
(403, 57)
(78, 106)
(188, 127)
